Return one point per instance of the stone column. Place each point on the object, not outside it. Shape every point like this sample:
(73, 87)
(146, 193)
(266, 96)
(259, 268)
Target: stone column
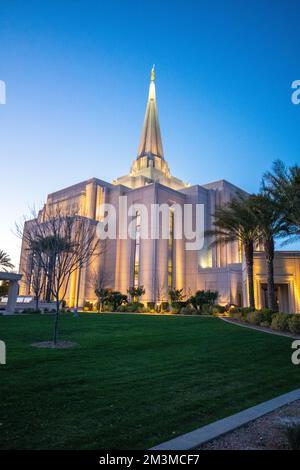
(12, 297)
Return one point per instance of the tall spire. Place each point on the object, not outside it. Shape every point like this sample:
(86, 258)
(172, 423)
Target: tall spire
(150, 143)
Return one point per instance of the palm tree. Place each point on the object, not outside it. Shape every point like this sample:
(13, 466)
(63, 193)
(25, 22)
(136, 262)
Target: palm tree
(271, 224)
(236, 222)
(5, 261)
(282, 184)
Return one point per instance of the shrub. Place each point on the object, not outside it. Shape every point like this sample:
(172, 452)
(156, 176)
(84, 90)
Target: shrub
(235, 315)
(135, 307)
(218, 309)
(151, 305)
(294, 324)
(265, 324)
(164, 306)
(108, 308)
(30, 310)
(188, 310)
(245, 310)
(254, 318)
(244, 315)
(88, 306)
(177, 306)
(175, 309)
(280, 321)
(206, 309)
(121, 308)
(233, 309)
(266, 315)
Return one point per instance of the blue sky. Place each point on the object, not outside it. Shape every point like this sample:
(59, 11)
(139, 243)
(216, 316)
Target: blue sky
(77, 75)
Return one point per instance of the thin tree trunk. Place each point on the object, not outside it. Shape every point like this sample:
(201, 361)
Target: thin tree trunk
(55, 335)
(269, 253)
(249, 263)
(36, 303)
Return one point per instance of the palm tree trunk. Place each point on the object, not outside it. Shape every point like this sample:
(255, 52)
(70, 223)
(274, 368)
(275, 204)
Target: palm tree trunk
(269, 254)
(249, 263)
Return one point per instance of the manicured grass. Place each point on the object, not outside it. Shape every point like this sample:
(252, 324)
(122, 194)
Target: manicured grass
(134, 381)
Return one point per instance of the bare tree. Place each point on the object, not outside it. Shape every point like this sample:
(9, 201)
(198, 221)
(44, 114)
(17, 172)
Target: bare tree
(100, 284)
(161, 290)
(62, 244)
(35, 279)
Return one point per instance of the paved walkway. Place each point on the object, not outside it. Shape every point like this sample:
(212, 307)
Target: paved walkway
(194, 439)
(260, 328)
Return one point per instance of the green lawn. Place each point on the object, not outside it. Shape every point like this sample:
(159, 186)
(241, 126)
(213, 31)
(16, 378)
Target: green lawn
(134, 381)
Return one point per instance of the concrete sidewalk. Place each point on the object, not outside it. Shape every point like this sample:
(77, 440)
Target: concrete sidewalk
(194, 439)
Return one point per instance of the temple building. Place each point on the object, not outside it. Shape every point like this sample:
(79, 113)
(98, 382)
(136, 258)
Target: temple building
(162, 264)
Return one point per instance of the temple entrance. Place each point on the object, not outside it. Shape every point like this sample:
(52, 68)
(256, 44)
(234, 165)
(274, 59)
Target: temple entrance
(281, 294)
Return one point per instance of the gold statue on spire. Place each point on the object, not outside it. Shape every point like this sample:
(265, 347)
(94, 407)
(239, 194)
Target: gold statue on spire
(152, 73)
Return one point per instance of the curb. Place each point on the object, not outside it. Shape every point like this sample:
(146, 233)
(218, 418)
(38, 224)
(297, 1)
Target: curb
(261, 329)
(194, 439)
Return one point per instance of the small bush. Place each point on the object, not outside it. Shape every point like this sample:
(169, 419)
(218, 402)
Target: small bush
(235, 315)
(108, 308)
(206, 309)
(188, 310)
(232, 309)
(88, 306)
(151, 305)
(135, 307)
(178, 305)
(280, 321)
(244, 315)
(266, 315)
(164, 306)
(294, 324)
(175, 310)
(254, 318)
(245, 310)
(265, 324)
(30, 310)
(121, 308)
(219, 308)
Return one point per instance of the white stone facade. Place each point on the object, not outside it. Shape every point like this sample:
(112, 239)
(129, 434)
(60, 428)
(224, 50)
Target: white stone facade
(150, 182)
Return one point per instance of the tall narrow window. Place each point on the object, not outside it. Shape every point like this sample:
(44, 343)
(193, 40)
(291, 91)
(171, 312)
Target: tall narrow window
(170, 250)
(136, 272)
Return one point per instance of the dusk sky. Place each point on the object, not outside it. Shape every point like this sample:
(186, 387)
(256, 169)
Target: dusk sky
(77, 76)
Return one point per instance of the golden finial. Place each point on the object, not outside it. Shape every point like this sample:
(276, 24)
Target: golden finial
(152, 74)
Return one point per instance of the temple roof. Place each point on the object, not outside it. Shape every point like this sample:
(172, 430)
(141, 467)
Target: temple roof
(150, 143)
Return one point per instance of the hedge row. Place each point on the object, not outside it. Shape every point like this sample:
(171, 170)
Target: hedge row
(277, 321)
